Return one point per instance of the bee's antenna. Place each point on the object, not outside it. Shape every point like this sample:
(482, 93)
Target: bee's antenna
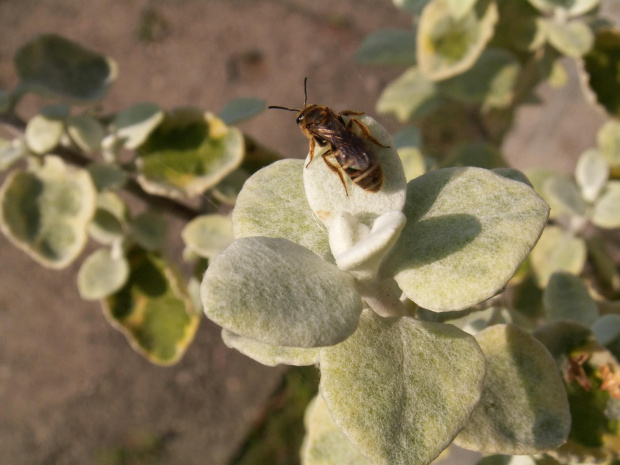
(281, 108)
(305, 91)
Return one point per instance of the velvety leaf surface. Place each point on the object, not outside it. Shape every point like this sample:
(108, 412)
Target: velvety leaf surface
(557, 250)
(45, 211)
(327, 196)
(607, 328)
(207, 235)
(460, 8)
(279, 293)
(447, 45)
(57, 67)
(107, 176)
(410, 96)
(188, 153)
(388, 47)
(111, 216)
(401, 389)
(134, 124)
(523, 409)
(43, 133)
(324, 443)
(468, 229)
(150, 230)
(102, 274)
(271, 355)
(563, 196)
(608, 137)
(273, 203)
(571, 7)
(566, 297)
(153, 309)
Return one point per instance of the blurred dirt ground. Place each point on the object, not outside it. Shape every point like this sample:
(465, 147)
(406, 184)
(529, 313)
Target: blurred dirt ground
(73, 391)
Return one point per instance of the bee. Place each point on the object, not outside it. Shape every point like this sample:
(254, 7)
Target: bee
(347, 151)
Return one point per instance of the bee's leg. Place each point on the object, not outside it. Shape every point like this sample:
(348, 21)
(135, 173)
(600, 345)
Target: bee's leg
(336, 169)
(366, 132)
(312, 146)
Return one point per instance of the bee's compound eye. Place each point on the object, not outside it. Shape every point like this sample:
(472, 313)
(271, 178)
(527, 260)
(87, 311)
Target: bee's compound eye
(300, 118)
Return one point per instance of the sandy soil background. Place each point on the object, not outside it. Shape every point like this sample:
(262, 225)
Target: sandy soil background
(72, 389)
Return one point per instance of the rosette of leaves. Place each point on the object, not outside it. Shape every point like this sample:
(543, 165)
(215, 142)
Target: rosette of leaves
(316, 276)
(188, 153)
(592, 197)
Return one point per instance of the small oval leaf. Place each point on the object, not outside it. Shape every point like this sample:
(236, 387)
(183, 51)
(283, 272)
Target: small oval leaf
(102, 274)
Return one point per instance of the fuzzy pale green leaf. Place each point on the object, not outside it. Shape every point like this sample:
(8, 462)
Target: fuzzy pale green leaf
(600, 66)
(606, 213)
(188, 153)
(566, 297)
(111, 216)
(240, 109)
(324, 443)
(388, 47)
(608, 138)
(56, 67)
(448, 46)
(227, 190)
(410, 96)
(327, 196)
(591, 173)
(102, 274)
(43, 133)
(563, 196)
(280, 293)
(401, 389)
(153, 309)
(412, 6)
(557, 250)
(150, 230)
(134, 124)
(523, 409)
(468, 230)
(208, 235)
(413, 162)
(573, 39)
(271, 355)
(475, 321)
(86, 132)
(107, 176)
(45, 211)
(490, 81)
(273, 203)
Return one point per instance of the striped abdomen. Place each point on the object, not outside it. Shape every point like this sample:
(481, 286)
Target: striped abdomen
(370, 179)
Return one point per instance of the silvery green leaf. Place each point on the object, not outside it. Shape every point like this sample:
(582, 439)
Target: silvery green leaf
(102, 274)
(523, 409)
(271, 355)
(108, 224)
(240, 109)
(43, 133)
(400, 388)
(566, 297)
(327, 196)
(570, 7)
(608, 138)
(11, 151)
(324, 443)
(86, 132)
(279, 293)
(573, 39)
(107, 176)
(208, 235)
(563, 196)
(591, 173)
(57, 67)
(388, 47)
(468, 230)
(273, 203)
(606, 212)
(150, 230)
(460, 8)
(557, 250)
(412, 95)
(607, 328)
(134, 124)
